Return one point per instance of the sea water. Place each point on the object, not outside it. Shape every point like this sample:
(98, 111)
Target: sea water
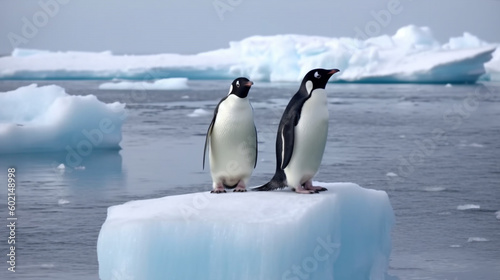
(433, 148)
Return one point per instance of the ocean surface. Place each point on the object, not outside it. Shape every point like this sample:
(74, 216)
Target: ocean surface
(435, 149)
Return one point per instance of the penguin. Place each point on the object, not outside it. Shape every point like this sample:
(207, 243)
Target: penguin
(302, 134)
(232, 140)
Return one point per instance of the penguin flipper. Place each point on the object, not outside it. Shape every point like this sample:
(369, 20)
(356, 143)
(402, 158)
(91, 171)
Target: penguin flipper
(209, 131)
(287, 142)
(286, 137)
(256, 147)
(207, 139)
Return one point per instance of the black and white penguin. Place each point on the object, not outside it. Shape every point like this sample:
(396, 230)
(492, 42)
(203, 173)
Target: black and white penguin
(301, 137)
(232, 140)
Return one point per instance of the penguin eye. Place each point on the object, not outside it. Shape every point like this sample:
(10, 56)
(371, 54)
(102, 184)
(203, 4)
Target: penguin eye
(317, 75)
(237, 83)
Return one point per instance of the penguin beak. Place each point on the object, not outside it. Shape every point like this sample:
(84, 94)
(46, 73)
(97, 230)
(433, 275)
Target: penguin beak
(249, 84)
(333, 71)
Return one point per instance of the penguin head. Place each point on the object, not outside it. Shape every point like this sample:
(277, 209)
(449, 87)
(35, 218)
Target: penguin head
(240, 87)
(316, 78)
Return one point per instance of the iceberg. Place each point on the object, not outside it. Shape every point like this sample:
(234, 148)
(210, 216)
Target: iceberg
(344, 233)
(412, 55)
(493, 67)
(47, 119)
(161, 84)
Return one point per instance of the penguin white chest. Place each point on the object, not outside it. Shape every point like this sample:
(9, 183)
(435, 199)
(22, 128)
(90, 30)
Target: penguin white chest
(310, 139)
(233, 141)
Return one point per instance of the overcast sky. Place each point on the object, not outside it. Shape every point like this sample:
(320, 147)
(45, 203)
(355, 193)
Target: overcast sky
(161, 26)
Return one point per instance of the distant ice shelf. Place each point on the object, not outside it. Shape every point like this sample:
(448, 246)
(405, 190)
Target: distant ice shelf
(411, 55)
(161, 84)
(343, 233)
(47, 119)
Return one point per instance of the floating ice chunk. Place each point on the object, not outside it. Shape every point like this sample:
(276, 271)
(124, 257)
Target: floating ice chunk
(61, 166)
(391, 174)
(162, 84)
(455, 246)
(343, 233)
(200, 112)
(476, 145)
(62, 201)
(477, 239)
(472, 145)
(448, 85)
(43, 119)
(498, 215)
(434, 189)
(468, 207)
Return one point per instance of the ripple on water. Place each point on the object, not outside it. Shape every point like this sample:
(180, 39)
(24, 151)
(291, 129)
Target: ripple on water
(434, 189)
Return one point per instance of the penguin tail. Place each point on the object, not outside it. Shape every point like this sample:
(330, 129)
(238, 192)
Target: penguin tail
(278, 182)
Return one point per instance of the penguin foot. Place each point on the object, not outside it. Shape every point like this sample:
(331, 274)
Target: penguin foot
(218, 188)
(317, 189)
(304, 191)
(240, 187)
(309, 186)
(218, 191)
